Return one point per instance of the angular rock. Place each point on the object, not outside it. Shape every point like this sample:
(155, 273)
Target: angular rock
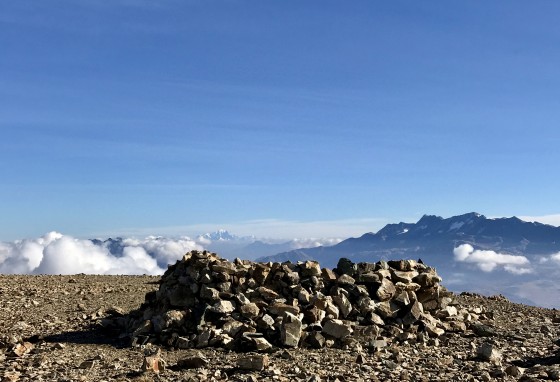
(404, 277)
(88, 364)
(253, 362)
(345, 280)
(211, 294)
(483, 330)
(267, 294)
(514, 371)
(337, 328)
(193, 362)
(315, 340)
(489, 352)
(250, 311)
(344, 305)
(346, 267)
(310, 268)
(19, 350)
(222, 307)
(153, 361)
(413, 314)
(328, 275)
(279, 309)
(290, 332)
(387, 309)
(261, 344)
(386, 290)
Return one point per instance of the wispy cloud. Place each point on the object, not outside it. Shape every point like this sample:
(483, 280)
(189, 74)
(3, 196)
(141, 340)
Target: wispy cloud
(487, 261)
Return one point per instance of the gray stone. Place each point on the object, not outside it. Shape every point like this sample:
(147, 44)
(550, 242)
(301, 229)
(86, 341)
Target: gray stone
(483, 330)
(279, 309)
(387, 309)
(250, 311)
(222, 307)
(344, 305)
(337, 328)
(403, 276)
(261, 344)
(267, 294)
(427, 279)
(315, 340)
(489, 352)
(310, 268)
(346, 280)
(207, 293)
(193, 362)
(413, 314)
(514, 371)
(253, 362)
(290, 332)
(386, 290)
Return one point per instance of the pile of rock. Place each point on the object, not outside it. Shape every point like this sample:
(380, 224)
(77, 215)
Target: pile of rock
(204, 300)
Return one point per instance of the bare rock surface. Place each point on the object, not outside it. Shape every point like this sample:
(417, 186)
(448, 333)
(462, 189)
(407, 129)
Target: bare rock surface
(62, 328)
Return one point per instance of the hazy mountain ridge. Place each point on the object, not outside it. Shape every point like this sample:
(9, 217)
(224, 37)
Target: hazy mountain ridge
(471, 252)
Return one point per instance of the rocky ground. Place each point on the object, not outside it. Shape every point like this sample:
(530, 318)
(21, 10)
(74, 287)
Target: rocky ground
(49, 331)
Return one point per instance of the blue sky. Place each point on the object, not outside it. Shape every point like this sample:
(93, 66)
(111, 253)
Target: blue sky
(290, 118)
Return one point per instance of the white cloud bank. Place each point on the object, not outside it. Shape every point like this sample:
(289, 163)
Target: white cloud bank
(55, 253)
(488, 261)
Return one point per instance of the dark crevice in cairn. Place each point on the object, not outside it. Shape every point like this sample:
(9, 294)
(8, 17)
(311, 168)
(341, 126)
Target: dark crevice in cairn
(204, 300)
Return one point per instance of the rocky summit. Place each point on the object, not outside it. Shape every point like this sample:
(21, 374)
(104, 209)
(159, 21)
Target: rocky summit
(208, 319)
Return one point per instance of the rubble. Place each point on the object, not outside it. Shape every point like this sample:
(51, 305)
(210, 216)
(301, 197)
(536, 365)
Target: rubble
(215, 302)
(69, 347)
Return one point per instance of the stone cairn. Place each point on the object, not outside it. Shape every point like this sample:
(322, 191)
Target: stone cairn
(204, 300)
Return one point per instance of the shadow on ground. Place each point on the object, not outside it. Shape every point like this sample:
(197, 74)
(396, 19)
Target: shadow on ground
(530, 362)
(94, 335)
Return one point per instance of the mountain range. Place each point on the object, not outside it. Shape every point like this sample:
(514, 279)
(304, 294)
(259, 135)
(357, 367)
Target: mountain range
(506, 256)
(434, 238)
(471, 252)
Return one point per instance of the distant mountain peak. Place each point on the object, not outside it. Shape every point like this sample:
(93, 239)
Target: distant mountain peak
(219, 235)
(435, 237)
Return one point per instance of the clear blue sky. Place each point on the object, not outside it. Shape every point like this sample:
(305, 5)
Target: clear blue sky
(120, 116)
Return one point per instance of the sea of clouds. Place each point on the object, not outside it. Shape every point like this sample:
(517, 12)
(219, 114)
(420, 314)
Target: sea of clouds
(527, 279)
(55, 253)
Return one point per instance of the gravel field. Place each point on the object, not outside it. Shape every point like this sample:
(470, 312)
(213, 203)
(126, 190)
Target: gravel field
(49, 331)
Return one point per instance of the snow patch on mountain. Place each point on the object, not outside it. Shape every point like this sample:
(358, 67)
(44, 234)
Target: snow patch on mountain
(456, 226)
